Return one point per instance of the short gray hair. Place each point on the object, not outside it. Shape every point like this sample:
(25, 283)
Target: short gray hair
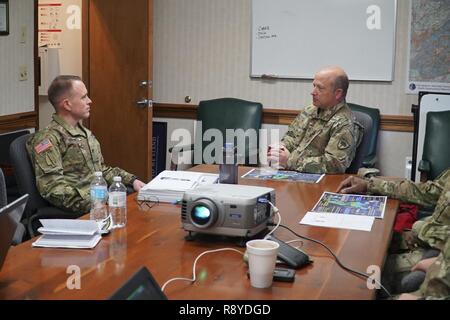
(341, 82)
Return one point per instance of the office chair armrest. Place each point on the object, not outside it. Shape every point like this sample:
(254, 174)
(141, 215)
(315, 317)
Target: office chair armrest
(424, 166)
(424, 212)
(369, 161)
(174, 154)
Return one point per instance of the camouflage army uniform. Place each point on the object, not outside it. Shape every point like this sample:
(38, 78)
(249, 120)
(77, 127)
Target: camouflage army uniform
(322, 142)
(431, 232)
(437, 280)
(65, 159)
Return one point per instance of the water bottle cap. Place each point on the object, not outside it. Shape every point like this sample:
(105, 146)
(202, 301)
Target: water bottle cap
(117, 179)
(98, 173)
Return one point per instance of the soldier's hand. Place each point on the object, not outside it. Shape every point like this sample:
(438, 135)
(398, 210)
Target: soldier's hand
(410, 239)
(278, 156)
(353, 185)
(407, 296)
(137, 185)
(424, 264)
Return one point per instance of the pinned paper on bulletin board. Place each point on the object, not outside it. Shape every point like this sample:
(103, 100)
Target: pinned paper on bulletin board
(50, 25)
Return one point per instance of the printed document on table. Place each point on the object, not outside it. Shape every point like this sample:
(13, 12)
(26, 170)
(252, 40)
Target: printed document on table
(351, 204)
(339, 221)
(67, 241)
(68, 226)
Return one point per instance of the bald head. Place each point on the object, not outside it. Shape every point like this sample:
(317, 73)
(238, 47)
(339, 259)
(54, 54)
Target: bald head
(338, 77)
(330, 87)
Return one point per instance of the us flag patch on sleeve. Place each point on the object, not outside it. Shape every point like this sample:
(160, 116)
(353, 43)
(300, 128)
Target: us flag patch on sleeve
(43, 145)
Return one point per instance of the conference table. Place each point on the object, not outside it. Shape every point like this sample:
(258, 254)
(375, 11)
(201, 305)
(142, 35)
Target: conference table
(154, 238)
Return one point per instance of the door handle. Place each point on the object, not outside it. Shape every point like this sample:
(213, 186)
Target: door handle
(146, 83)
(145, 103)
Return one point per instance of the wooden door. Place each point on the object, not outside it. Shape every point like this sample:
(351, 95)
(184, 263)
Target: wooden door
(120, 59)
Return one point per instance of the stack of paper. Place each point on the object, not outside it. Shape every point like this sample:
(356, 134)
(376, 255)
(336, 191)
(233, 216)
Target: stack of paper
(169, 186)
(67, 233)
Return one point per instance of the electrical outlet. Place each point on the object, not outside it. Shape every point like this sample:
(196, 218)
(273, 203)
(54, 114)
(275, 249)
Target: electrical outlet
(23, 34)
(23, 73)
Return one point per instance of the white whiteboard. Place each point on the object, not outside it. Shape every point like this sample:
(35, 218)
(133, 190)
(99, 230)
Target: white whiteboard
(296, 38)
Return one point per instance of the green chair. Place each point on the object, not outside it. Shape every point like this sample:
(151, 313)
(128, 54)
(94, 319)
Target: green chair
(214, 117)
(366, 153)
(436, 146)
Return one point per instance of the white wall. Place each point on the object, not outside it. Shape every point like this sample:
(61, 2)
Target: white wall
(17, 96)
(202, 50)
(70, 58)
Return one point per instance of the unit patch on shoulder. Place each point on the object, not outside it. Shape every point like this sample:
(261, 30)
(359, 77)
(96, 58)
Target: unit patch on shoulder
(43, 145)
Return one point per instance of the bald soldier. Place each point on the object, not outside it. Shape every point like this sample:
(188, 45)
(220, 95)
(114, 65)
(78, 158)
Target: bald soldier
(65, 154)
(324, 136)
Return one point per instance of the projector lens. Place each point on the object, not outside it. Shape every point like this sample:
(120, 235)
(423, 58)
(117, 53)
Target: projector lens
(201, 214)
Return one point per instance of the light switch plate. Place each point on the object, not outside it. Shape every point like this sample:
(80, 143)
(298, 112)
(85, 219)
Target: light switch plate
(23, 73)
(23, 34)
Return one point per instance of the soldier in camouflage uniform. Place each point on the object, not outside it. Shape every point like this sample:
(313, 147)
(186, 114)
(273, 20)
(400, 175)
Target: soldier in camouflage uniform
(65, 154)
(437, 280)
(431, 232)
(323, 138)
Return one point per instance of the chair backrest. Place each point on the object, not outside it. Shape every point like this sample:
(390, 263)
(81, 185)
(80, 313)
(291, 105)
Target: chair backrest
(436, 148)
(366, 152)
(230, 113)
(6, 165)
(25, 176)
(3, 198)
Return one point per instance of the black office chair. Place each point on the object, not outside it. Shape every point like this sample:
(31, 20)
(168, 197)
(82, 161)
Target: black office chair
(222, 114)
(366, 152)
(6, 139)
(3, 197)
(20, 231)
(37, 207)
(436, 146)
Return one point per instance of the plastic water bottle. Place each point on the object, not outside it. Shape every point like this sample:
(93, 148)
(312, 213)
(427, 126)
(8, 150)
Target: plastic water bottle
(228, 170)
(99, 197)
(118, 203)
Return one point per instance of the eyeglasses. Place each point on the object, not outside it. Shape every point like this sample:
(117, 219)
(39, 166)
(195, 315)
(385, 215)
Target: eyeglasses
(147, 204)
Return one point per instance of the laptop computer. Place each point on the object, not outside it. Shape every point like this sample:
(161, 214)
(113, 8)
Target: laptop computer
(9, 219)
(141, 286)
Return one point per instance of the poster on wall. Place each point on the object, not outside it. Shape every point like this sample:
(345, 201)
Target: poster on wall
(50, 25)
(429, 46)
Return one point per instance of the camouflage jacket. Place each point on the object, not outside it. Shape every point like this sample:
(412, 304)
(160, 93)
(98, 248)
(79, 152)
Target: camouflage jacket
(434, 230)
(322, 142)
(65, 159)
(437, 280)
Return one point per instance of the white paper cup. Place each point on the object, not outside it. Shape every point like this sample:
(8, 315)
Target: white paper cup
(262, 256)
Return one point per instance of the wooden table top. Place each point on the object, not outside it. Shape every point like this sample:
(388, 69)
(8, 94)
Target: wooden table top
(154, 238)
